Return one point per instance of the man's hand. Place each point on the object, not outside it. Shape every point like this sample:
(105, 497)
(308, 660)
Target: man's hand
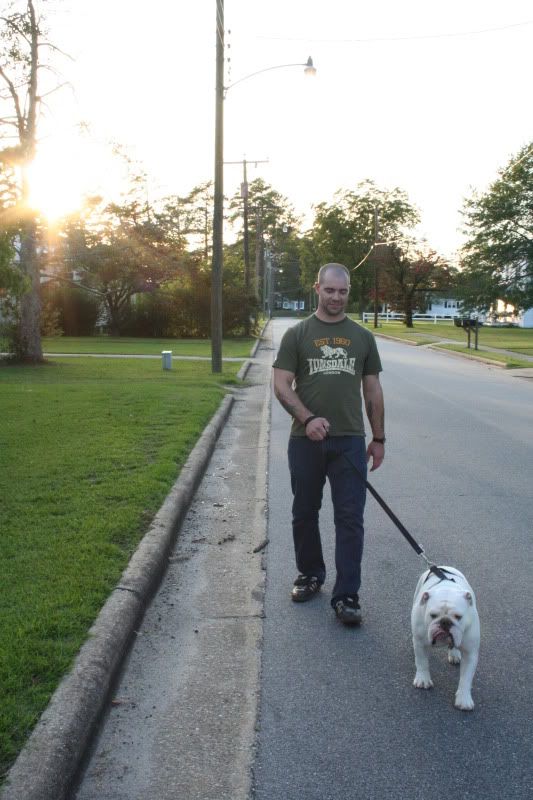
(317, 429)
(376, 452)
(375, 411)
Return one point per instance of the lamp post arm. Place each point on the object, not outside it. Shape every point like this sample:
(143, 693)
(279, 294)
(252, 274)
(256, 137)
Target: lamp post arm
(308, 64)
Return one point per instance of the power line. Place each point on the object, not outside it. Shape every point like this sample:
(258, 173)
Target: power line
(410, 38)
(362, 260)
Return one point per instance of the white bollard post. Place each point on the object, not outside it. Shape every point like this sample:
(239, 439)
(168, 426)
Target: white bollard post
(167, 359)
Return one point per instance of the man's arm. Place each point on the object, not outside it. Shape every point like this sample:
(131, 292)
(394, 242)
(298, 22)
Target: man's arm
(375, 411)
(318, 428)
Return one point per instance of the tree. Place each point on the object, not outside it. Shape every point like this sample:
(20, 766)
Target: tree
(189, 218)
(115, 250)
(498, 256)
(409, 276)
(345, 232)
(272, 223)
(21, 61)
(126, 254)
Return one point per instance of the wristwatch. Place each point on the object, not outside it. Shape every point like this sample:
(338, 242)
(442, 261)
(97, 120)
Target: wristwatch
(379, 440)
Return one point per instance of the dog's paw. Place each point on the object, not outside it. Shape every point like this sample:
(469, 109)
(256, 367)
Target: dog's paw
(463, 701)
(454, 655)
(423, 680)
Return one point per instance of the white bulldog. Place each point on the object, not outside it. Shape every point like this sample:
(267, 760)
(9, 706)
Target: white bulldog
(444, 611)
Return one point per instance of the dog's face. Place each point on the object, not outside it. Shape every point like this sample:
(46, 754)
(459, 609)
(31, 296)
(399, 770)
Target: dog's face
(447, 612)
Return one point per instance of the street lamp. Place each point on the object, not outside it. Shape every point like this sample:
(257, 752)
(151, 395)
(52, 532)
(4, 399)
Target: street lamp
(309, 69)
(218, 210)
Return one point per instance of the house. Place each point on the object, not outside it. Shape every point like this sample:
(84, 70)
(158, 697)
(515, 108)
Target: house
(437, 307)
(443, 307)
(503, 314)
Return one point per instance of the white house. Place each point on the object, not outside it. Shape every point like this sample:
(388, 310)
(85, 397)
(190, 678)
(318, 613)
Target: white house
(447, 308)
(443, 307)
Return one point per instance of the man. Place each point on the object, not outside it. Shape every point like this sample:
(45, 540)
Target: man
(322, 364)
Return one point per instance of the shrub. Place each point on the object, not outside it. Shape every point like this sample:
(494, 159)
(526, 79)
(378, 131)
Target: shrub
(185, 312)
(69, 310)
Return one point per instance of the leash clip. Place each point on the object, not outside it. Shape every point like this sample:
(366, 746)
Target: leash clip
(434, 569)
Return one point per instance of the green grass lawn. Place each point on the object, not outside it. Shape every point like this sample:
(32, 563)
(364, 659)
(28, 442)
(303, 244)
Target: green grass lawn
(519, 340)
(88, 451)
(510, 362)
(231, 348)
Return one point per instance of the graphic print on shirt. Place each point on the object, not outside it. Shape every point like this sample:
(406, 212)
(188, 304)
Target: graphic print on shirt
(332, 357)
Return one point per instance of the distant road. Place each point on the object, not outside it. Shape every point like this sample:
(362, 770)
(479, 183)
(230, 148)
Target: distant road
(339, 716)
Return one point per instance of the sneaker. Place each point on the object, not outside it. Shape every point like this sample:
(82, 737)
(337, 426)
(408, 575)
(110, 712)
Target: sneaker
(305, 586)
(348, 610)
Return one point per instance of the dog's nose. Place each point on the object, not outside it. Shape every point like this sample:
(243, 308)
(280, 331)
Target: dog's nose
(446, 623)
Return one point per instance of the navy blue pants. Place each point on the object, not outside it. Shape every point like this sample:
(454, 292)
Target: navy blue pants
(310, 463)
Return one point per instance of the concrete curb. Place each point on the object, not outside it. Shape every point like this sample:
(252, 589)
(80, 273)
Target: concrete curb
(47, 765)
(481, 359)
(410, 342)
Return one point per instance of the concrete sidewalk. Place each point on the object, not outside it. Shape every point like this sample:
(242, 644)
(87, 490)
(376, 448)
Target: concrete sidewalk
(49, 765)
(235, 359)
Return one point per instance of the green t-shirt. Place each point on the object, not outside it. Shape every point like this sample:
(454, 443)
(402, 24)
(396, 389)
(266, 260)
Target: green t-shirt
(328, 360)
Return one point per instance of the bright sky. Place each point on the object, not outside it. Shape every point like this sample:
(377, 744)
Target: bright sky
(396, 97)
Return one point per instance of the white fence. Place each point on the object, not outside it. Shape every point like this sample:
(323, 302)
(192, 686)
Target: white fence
(391, 316)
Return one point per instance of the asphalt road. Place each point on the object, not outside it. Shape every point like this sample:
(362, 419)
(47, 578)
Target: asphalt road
(339, 717)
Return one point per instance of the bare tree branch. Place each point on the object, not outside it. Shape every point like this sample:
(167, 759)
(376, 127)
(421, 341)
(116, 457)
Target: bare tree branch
(75, 284)
(15, 98)
(56, 89)
(56, 49)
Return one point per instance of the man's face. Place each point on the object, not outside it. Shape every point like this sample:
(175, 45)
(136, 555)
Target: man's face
(333, 294)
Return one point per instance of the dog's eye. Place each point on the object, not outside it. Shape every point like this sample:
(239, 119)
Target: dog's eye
(433, 616)
(458, 616)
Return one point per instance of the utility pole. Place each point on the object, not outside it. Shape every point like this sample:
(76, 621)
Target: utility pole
(267, 279)
(259, 250)
(244, 195)
(206, 233)
(271, 287)
(376, 279)
(218, 212)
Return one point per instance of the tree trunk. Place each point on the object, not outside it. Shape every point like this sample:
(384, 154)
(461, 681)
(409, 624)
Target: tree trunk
(28, 336)
(28, 345)
(409, 317)
(114, 318)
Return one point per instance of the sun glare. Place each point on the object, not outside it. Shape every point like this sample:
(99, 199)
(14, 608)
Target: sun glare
(56, 180)
(66, 172)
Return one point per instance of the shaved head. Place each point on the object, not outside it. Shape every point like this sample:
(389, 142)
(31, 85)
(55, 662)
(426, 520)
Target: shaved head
(333, 290)
(333, 269)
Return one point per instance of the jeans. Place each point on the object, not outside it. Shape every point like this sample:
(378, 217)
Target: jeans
(310, 463)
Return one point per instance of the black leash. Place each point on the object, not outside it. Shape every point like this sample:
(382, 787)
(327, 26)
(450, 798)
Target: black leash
(414, 544)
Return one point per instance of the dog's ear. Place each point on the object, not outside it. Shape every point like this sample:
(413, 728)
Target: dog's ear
(469, 598)
(424, 598)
